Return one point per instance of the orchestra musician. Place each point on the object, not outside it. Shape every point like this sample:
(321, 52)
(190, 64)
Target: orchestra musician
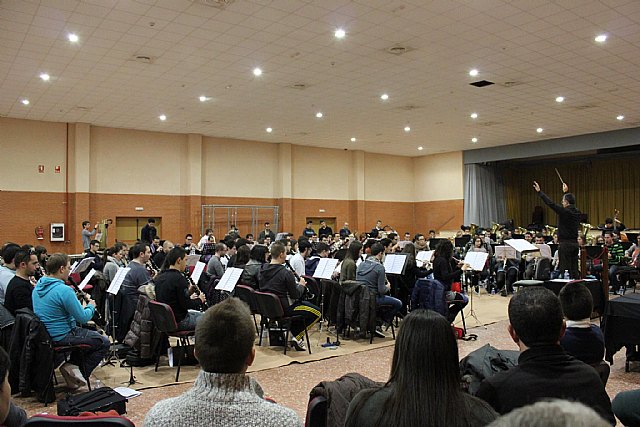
(127, 297)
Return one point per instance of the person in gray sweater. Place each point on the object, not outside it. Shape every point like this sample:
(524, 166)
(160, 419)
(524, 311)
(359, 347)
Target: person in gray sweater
(223, 395)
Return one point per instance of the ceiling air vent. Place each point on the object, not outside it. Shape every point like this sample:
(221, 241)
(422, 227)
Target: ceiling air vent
(481, 83)
(144, 59)
(398, 49)
(218, 4)
(298, 86)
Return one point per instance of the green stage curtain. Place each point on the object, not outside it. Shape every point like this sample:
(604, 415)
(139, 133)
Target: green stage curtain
(600, 186)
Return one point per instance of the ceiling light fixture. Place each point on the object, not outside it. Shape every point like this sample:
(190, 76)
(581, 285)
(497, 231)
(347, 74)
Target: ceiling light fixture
(257, 72)
(601, 38)
(560, 99)
(474, 139)
(340, 33)
(539, 130)
(384, 96)
(420, 148)
(473, 72)
(162, 117)
(407, 128)
(45, 77)
(203, 98)
(353, 139)
(25, 101)
(269, 130)
(474, 115)
(620, 117)
(73, 38)
(319, 114)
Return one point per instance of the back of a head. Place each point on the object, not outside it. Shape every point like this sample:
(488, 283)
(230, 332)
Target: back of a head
(224, 337)
(536, 316)
(9, 252)
(576, 301)
(376, 248)
(322, 247)
(276, 250)
(553, 413)
(258, 253)
(444, 249)
(354, 250)
(56, 261)
(137, 249)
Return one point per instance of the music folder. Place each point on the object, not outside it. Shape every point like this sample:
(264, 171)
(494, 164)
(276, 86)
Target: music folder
(82, 265)
(86, 279)
(197, 271)
(505, 252)
(192, 260)
(394, 263)
(325, 268)
(229, 279)
(521, 245)
(117, 280)
(476, 260)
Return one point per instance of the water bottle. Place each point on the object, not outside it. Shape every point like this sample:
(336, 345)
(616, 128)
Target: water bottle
(566, 274)
(493, 291)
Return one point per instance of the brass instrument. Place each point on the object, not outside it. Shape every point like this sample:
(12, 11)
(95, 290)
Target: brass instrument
(473, 228)
(520, 230)
(585, 228)
(495, 227)
(102, 229)
(550, 229)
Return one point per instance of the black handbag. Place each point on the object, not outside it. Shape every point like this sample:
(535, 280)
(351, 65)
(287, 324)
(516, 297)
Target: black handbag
(99, 400)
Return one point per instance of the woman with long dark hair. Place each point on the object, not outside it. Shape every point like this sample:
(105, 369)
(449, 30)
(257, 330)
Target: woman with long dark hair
(408, 279)
(424, 385)
(348, 266)
(446, 270)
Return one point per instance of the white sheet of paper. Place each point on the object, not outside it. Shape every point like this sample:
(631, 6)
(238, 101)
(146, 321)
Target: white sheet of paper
(229, 279)
(192, 260)
(325, 268)
(394, 263)
(127, 392)
(86, 279)
(545, 250)
(507, 252)
(476, 260)
(521, 245)
(82, 265)
(117, 280)
(423, 258)
(98, 236)
(197, 271)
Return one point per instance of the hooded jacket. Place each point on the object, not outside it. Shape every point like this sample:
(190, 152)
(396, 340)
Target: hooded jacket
(56, 305)
(371, 273)
(275, 278)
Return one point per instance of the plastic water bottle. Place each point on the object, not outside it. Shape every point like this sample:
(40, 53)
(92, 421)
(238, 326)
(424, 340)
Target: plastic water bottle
(566, 274)
(493, 291)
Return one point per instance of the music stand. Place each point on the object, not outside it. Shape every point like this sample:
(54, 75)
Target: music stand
(477, 261)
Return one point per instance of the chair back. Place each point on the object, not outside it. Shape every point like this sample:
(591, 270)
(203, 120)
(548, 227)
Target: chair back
(316, 412)
(50, 420)
(269, 305)
(162, 316)
(246, 293)
(603, 369)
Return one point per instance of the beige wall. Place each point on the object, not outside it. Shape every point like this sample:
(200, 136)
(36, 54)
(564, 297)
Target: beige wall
(25, 144)
(388, 178)
(438, 177)
(320, 173)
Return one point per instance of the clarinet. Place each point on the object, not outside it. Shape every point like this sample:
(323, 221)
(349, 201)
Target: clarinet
(306, 295)
(203, 306)
(82, 294)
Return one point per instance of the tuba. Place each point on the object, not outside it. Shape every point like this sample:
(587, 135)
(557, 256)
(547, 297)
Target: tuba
(550, 229)
(520, 230)
(585, 228)
(495, 227)
(473, 228)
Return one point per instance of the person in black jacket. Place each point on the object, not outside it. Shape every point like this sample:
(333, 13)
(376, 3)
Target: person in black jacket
(21, 286)
(173, 289)
(568, 226)
(446, 269)
(11, 415)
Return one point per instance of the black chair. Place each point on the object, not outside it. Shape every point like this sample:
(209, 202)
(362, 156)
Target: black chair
(381, 309)
(314, 290)
(271, 310)
(603, 369)
(246, 293)
(316, 412)
(165, 322)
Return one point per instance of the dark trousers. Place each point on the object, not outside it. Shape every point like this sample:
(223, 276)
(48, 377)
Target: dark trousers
(568, 258)
(309, 313)
(91, 357)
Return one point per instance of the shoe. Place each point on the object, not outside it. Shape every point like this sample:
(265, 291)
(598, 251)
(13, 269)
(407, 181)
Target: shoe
(72, 376)
(378, 333)
(298, 344)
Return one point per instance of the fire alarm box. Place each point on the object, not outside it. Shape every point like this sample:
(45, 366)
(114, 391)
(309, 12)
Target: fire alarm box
(57, 232)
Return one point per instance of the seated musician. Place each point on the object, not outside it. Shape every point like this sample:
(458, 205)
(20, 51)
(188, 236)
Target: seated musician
(58, 308)
(277, 279)
(127, 297)
(533, 258)
(19, 290)
(612, 224)
(215, 268)
(615, 257)
(478, 245)
(173, 289)
(445, 270)
(322, 251)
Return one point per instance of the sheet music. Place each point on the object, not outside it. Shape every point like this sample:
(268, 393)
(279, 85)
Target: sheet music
(325, 268)
(192, 260)
(229, 279)
(476, 260)
(82, 265)
(86, 279)
(98, 236)
(394, 263)
(505, 252)
(197, 271)
(117, 280)
(545, 251)
(424, 257)
(521, 245)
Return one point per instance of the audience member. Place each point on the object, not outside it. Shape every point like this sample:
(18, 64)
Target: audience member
(11, 415)
(626, 406)
(148, 232)
(553, 413)
(424, 385)
(544, 369)
(582, 339)
(223, 395)
(324, 229)
(267, 233)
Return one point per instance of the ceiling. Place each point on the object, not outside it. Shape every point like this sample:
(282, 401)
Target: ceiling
(533, 50)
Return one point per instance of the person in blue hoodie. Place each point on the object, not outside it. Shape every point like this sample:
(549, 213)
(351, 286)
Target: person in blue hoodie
(56, 305)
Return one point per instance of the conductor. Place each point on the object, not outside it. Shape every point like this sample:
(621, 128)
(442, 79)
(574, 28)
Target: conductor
(568, 226)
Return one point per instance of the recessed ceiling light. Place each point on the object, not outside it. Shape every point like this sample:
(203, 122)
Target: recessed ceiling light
(474, 115)
(162, 117)
(601, 38)
(257, 72)
(407, 128)
(473, 72)
(73, 38)
(319, 114)
(384, 96)
(421, 148)
(620, 117)
(203, 98)
(25, 101)
(269, 130)
(340, 33)
(474, 139)
(353, 139)
(45, 77)
(560, 99)
(539, 130)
